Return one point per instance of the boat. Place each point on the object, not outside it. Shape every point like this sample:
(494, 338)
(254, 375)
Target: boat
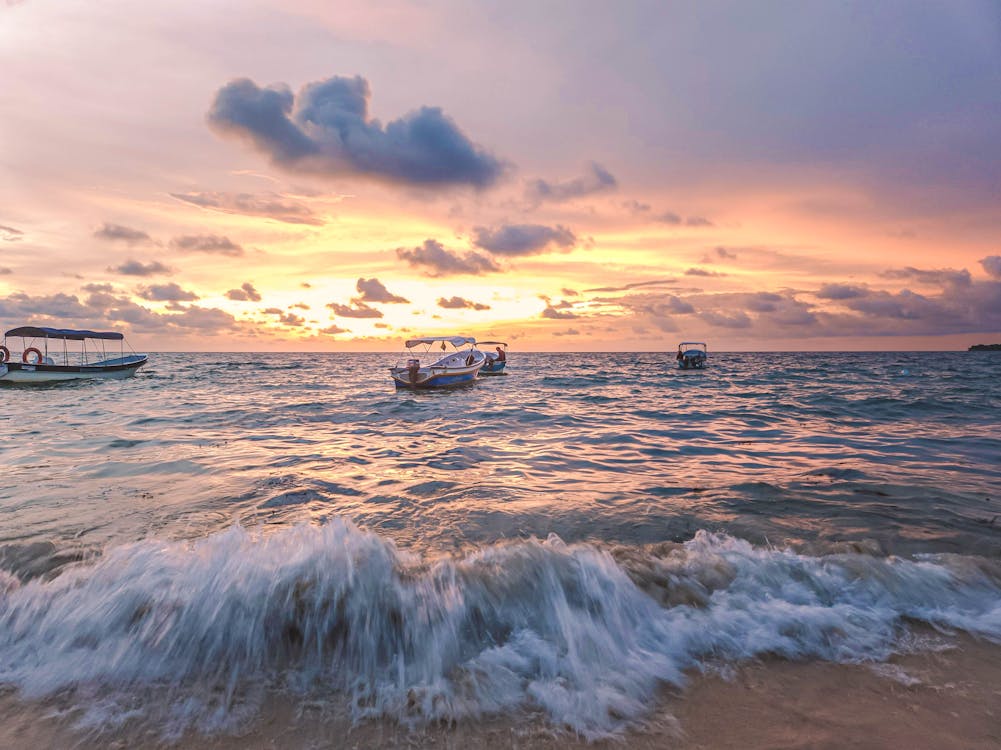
(460, 363)
(39, 362)
(495, 362)
(692, 355)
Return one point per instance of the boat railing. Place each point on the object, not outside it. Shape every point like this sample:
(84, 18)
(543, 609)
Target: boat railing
(82, 356)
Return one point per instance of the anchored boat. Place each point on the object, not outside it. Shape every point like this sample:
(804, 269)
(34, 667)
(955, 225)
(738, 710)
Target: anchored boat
(495, 362)
(692, 355)
(456, 365)
(40, 362)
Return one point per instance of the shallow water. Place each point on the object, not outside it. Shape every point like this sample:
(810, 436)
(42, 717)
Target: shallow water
(223, 517)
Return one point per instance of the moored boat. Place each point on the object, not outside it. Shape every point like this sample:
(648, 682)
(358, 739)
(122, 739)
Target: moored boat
(692, 355)
(37, 362)
(455, 367)
(495, 362)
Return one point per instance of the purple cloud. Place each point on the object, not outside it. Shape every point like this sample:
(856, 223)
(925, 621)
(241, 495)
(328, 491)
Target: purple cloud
(360, 310)
(268, 205)
(595, 180)
(119, 233)
(373, 290)
(436, 260)
(460, 303)
(137, 268)
(326, 129)
(523, 239)
(246, 293)
(207, 243)
(171, 292)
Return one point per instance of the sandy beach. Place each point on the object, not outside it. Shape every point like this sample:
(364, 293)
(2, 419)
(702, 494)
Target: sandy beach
(933, 699)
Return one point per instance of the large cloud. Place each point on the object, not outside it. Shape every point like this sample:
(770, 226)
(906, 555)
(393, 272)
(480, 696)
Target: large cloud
(373, 290)
(523, 239)
(596, 179)
(207, 243)
(267, 205)
(326, 130)
(436, 260)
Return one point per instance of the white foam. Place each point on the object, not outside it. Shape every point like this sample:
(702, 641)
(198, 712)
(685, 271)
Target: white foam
(543, 625)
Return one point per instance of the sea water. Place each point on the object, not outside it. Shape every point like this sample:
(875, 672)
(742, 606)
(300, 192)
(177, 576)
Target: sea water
(565, 539)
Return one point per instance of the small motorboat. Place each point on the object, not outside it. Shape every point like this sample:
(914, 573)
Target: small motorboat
(459, 363)
(692, 355)
(495, 362)
(39, 362)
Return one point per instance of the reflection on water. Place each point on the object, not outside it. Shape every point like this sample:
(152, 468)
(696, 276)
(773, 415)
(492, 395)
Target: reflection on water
(806, 448)
(566, 539)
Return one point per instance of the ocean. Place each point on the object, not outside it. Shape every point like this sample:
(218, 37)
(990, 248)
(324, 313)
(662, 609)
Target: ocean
(563, 544)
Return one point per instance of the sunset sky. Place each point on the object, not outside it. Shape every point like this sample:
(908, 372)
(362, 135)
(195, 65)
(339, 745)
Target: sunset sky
(310, 175)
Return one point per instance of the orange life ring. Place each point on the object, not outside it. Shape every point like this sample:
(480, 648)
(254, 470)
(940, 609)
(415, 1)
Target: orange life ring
(24, 356)
(4, 354)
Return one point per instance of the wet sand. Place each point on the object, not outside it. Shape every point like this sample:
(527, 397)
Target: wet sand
(939, 699)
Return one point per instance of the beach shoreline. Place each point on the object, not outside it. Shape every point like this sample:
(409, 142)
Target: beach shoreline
(949, 696)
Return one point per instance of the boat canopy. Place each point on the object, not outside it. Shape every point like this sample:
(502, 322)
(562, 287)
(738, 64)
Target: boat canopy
(494, 343)
(691, 343)
(63, 333)
(455, 341)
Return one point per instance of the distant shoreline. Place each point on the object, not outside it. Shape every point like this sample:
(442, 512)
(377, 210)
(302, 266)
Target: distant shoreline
(985, 348)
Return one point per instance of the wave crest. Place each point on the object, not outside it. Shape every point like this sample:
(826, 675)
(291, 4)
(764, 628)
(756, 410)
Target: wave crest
(584, 634)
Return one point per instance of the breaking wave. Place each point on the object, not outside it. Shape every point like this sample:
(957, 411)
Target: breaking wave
(582, 634)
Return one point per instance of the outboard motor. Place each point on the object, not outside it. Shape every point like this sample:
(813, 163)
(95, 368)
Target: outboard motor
(413, 368)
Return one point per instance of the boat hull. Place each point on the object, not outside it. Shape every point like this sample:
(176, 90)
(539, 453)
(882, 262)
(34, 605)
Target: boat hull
(19, 372)
(493, 367)
(435, 380)
(695, 364)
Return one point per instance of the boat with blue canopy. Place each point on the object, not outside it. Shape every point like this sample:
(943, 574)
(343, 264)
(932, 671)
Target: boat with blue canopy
(495, 362)
(459, 362)
(692, 355)
(45, 355)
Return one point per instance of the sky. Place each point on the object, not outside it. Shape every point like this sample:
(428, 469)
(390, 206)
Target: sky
(573, 175)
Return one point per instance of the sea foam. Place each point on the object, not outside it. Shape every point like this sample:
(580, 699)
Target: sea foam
(584, 635)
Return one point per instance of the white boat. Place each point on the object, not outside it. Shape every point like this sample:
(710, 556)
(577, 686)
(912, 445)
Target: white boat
(40, 362)
(692, 355)
(495, 362)
(456, 365)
